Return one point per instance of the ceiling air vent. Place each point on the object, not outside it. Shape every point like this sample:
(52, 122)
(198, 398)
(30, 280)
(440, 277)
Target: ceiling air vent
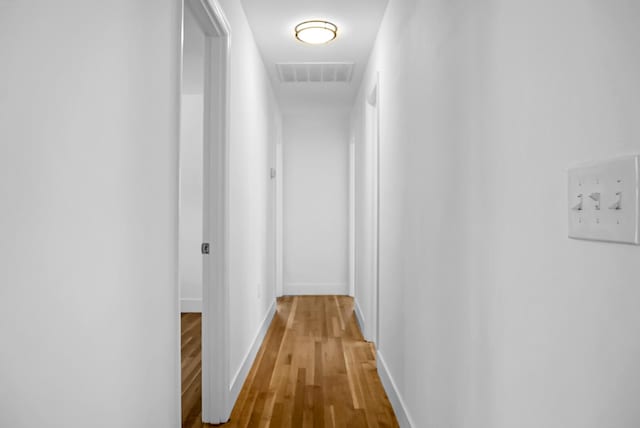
(290, 72)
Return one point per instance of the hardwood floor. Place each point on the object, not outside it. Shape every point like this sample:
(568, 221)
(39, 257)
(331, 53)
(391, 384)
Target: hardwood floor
(313, 370)
(191, 363)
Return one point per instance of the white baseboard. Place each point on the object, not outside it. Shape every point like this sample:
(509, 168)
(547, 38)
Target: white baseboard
(190, 305)
(359, 316)
(315, 289)
(404, 420)
(247, 362)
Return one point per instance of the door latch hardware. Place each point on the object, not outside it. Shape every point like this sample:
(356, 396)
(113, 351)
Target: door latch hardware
(205, 248)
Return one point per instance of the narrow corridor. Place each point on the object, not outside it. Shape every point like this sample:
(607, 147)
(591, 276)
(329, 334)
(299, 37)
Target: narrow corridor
(448, 192)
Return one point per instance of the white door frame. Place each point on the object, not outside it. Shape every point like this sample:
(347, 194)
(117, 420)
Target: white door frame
(279, 221)
(216, 407)
(352, 217)
(372, 122)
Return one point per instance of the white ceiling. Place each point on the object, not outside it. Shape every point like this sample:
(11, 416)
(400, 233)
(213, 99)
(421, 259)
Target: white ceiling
(273, 21)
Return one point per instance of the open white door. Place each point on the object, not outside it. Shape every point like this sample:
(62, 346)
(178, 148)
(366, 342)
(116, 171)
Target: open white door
(216, 407)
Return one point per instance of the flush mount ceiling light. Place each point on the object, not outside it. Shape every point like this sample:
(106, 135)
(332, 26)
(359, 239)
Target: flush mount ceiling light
(316, 32)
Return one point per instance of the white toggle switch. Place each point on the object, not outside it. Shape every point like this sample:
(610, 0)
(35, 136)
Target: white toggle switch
(617, 205)
(605, 182)
(578, 207)
(596, 197)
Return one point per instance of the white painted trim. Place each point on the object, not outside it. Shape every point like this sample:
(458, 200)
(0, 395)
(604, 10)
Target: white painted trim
(279, 216)
(241, 375)
(190, 305)
(352, 217)
(316, 288)
(402, 414)
(359, 317)
(372, 121)
(178, 332)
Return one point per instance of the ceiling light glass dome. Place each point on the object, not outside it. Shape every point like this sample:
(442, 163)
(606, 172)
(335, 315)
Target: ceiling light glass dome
(316, 32)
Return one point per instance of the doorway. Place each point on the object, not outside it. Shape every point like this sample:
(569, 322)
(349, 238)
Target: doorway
(191, 218)
(203, 214)
(365, 202)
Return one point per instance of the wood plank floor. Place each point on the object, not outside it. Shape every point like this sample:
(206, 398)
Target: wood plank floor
(191, 350)
(313, 370)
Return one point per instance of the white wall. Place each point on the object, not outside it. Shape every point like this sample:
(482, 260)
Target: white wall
(191, 193)
(558, 330)
(420, 54)
(490, 316)
(316, 203)
(255, 123)
(89, 95)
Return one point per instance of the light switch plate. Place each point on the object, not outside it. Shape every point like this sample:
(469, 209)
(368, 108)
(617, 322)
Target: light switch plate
(603, 200)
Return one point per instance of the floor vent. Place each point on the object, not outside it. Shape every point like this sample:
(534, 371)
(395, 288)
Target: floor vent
(315, 72)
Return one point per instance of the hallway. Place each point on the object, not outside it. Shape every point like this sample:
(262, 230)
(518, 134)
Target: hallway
(314, 369)
(447, 190)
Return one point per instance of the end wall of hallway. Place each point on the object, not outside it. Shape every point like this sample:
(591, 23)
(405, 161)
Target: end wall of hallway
(316, 203)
